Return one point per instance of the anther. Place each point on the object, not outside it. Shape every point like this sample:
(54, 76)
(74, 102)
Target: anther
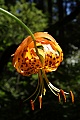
(72, 96)
(32, 104)
(59, 98)
(44, 91)
(63, 94)
(40, 101)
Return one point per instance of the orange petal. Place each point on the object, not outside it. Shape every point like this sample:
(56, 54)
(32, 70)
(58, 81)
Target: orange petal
(44, 35)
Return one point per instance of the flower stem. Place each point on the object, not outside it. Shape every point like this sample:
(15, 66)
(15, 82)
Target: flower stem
(18, 21)
(24, 26)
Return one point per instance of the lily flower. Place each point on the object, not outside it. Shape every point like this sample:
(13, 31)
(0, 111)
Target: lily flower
(45, 57)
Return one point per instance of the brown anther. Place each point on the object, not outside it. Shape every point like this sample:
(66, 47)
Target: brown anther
(72, 96)
(32, 104)
(63, 94)
(59, 98)
(40, 101)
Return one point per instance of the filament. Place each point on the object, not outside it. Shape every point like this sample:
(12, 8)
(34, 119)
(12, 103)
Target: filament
(34, 92)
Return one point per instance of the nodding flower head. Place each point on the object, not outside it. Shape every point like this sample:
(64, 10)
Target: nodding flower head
(27, 61)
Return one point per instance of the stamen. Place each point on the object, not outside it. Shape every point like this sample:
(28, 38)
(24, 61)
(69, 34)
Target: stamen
(44, 91)
(34, 92)
(40, 101)
(51, 87)
(64, 96)
(54, 88)
(59, 98)
(72, 96)
(32, 104)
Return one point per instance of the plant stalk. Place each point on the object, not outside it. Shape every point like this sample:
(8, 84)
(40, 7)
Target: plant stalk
(24, 26)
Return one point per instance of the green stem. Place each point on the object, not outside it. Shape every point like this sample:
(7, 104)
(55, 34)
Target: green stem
(24, 26)
(45, 77)
(17, 20)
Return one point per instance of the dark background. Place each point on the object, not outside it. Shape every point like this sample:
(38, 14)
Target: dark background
(61, 19)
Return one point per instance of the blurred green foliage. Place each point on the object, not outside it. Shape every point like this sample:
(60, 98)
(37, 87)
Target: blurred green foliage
(12, 32)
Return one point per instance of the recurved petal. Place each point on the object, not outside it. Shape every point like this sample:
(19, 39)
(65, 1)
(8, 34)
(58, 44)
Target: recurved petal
(44, 35)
